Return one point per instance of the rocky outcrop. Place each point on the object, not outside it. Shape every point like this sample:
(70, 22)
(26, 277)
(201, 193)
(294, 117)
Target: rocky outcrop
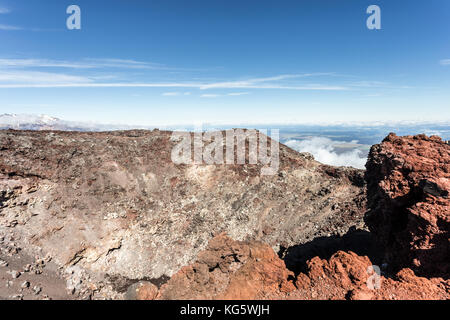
(115, 206)
(230, 269)
(349, 276)
(409, 213)
(116, 218)
(409, 206)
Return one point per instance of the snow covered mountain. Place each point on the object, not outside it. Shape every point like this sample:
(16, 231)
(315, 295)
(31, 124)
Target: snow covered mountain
(45, 122)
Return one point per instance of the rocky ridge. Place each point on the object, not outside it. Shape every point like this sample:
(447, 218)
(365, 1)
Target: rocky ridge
(112, 209)
(408, 193)
(230, 269)
(408, 215)
(115, 218)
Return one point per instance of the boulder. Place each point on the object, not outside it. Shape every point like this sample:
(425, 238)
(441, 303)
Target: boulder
(408, 181)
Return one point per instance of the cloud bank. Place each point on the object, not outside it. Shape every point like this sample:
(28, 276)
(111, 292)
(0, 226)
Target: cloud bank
(14, 73)
(324, 150)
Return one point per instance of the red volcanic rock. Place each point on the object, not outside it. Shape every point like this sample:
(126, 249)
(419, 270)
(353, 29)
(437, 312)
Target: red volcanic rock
(113, 210)
(230, 269)
(333, 279)
(409, 206)
(349, 276)
(142, 291)
(115, 203)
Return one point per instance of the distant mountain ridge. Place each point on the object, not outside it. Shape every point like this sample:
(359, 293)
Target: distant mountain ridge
(46, 122)
(27, 122)
(114, 203)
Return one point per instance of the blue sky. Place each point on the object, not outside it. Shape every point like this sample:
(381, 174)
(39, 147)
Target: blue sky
(176, 62)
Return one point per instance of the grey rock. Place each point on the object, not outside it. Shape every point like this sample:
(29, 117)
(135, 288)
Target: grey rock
(3, 263)
(37, 290)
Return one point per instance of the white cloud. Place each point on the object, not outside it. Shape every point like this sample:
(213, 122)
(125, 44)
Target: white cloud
(280, 82)
(38, 63)
(123, 63)
(151, 85)
(4, 10)
(370, 84)
(445, 62)
(260, 83)
(83, 84)
(6, 27)
(210, 95)
(377, 84)
(83, 64)
(324, 151)
(35, 78)
(160, 85)
(169, 94)
(273, 82)
(238, 93)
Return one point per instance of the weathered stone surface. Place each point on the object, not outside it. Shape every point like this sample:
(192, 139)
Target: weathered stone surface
(118, 216)
(142, 290)
(409, 206)
(230, 269)
(408, 187)
(114, 203)
(346, 276)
